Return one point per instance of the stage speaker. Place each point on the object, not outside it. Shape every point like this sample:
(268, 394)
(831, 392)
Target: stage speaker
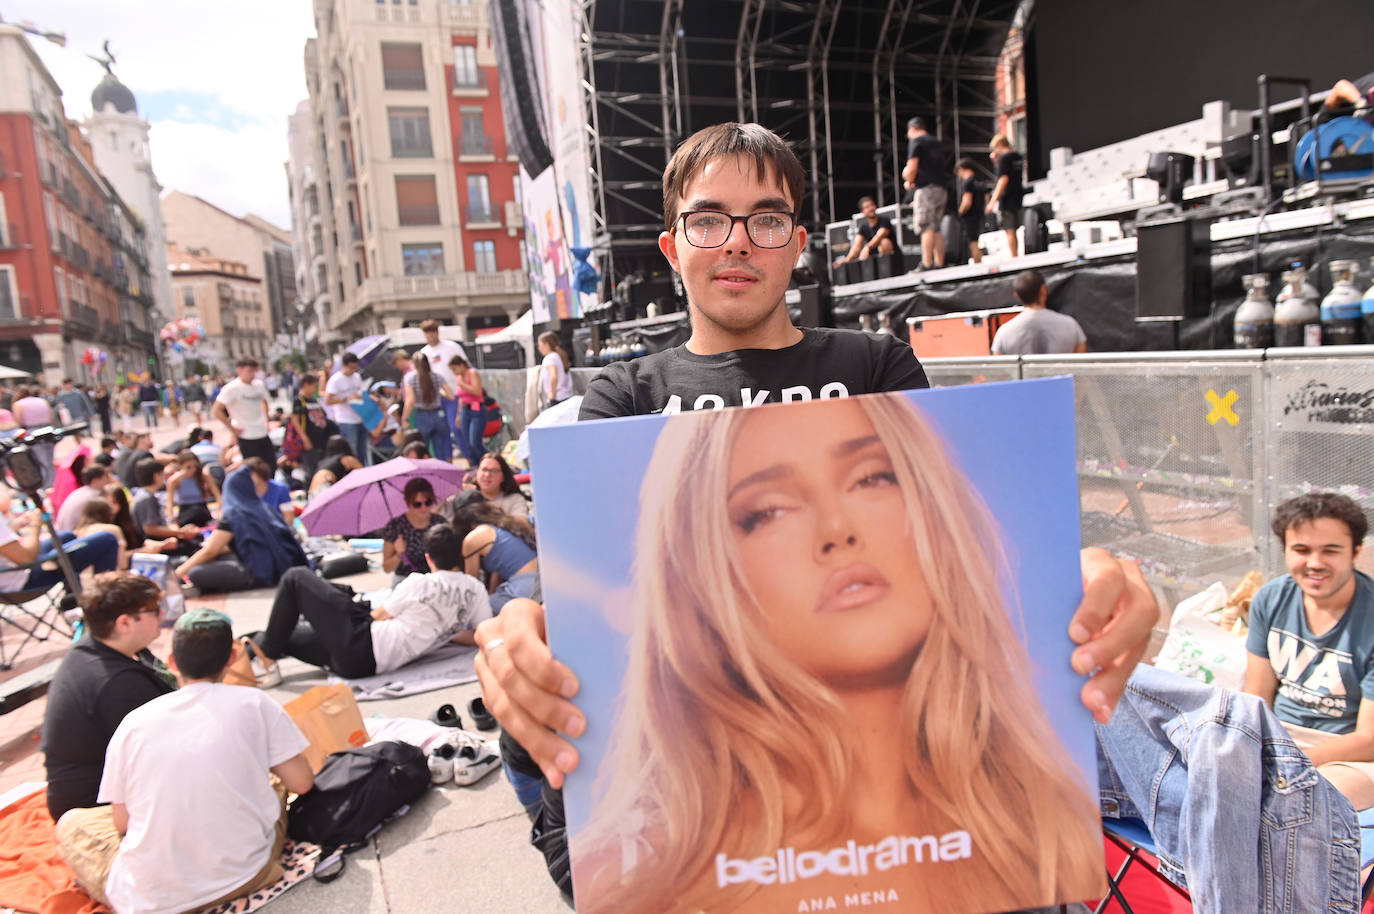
(521, 98)
(1035, 228)
(1238, 154)
(1171, 170)
(509, 354)
(1173, 278)
(807, 312)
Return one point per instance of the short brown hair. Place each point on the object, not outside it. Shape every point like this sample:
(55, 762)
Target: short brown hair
(1027, 286)
(999, 141)
(428, 325)
(1304, 509)
(114, 594)
(94, 473)
(764, 146)
(259, 468)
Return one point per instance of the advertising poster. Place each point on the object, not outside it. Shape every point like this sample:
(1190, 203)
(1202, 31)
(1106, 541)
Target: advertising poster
(546, 253)
(823, 654)
(562, 216)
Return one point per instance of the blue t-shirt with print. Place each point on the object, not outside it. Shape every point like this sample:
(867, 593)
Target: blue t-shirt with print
(1321, 679)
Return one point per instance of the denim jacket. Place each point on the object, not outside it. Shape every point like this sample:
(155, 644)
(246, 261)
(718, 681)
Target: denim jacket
(1239, 815)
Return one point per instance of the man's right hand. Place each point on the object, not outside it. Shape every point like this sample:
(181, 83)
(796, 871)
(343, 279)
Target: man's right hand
(527, 690)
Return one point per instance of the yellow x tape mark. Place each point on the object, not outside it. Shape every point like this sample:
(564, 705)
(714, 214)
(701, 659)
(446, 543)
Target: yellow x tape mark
(1221, 407)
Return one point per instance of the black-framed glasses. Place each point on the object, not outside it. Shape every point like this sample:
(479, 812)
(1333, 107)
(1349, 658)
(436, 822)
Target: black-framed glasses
(706, 228)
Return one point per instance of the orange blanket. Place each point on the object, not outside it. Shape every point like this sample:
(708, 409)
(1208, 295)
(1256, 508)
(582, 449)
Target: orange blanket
(33, 875)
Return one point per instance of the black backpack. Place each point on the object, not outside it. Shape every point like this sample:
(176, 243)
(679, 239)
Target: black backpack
(355, 792)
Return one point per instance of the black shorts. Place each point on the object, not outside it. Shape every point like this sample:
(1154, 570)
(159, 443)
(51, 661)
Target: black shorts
(1009, 219)
(973, 227)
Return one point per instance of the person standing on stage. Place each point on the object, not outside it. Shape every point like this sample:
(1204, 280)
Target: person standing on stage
(1008, 191)
(925, 175)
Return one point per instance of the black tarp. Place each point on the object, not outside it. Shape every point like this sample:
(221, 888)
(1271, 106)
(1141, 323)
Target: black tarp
(1100, 294)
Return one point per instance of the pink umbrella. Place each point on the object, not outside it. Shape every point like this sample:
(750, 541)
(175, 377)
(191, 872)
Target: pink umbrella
(367, 498)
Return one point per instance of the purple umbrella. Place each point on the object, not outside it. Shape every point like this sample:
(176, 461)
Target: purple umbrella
(367, 498)
(366, 349)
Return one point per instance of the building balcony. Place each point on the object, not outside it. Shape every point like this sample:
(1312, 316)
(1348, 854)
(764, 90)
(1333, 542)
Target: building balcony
(465, 88)
(341, 108)
(418, 215)
(475, 147)
(355, 232)
(81, 320)
(463, 15)
(402, 288)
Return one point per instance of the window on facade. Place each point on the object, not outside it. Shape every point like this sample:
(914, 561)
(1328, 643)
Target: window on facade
(409, 132)
(465, 73)
(479, 199)
(9, 304)
(423, 259)
(417, 201)
(403, 66)
(484, 256)
(473, 140)
(188, 297)
(357, 273)
(60, 278)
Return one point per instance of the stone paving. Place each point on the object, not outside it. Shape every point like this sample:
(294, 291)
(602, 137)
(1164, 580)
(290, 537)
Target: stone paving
(459, 849)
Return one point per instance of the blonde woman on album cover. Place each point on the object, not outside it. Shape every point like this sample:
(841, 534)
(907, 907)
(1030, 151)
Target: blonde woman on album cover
(873, 688)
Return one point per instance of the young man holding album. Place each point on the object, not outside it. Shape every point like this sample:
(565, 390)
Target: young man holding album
(731, 197)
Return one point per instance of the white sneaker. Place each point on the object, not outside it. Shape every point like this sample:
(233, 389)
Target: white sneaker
(440, 768)
(475, 758)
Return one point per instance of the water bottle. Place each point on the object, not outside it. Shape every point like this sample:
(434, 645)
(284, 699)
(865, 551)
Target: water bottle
(1341, 311)
(1254, 325)
(1297, 319)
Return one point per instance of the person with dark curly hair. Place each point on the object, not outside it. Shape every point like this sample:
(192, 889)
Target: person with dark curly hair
(1311, 641)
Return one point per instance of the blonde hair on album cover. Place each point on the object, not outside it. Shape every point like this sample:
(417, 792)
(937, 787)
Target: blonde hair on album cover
(717, 730)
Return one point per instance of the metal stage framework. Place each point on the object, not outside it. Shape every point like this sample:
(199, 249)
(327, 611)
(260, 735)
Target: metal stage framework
(838, 78)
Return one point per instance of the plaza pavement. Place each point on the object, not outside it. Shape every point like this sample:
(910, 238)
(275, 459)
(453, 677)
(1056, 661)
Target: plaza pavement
(460, 850)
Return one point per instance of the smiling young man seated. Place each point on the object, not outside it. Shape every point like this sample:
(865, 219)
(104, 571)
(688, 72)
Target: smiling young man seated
(1311, 641)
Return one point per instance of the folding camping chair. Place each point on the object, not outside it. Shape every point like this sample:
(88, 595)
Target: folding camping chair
(1135, 841)
(37, 612)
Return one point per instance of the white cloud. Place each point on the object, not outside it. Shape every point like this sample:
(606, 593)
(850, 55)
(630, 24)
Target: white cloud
(237, 170)
(246, 55)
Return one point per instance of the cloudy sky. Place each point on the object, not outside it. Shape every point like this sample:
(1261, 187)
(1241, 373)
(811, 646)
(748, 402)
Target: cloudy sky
(215, 79)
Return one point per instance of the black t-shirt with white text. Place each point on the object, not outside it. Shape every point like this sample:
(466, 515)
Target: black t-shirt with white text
(1009, 165)
(825, 364)
(867, 230)
(930, 160)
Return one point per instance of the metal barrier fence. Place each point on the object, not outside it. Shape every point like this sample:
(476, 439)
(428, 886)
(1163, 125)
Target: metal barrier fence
(1182, 456)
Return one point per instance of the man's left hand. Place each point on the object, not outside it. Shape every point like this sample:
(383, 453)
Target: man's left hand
(863, 254)
(1112, 628)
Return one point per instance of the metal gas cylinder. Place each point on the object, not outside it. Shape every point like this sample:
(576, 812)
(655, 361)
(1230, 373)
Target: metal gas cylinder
(1367, 307)
(1254, 326)
(1297, 319)
(1341, 313)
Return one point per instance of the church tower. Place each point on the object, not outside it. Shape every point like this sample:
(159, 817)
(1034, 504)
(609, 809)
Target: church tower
(119, 140)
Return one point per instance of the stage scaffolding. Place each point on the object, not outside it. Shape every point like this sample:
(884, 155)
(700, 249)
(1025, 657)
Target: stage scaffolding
(838, 78)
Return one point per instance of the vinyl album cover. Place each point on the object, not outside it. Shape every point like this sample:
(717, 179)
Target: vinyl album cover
(823, 654)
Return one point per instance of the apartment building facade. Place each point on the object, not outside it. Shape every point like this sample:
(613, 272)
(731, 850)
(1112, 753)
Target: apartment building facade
(264, 249)
(415, 188)
(229, 301)
(74, 266)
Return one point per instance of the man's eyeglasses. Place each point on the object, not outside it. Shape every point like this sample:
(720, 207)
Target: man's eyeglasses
(422, 503)
(710, 229)
(152, 610)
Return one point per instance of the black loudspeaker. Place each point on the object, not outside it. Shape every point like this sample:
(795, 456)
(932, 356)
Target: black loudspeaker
(1171, 170)
(521, 98)
(1238, 154)
(502, 355)
(1173, 278)
(807, 312)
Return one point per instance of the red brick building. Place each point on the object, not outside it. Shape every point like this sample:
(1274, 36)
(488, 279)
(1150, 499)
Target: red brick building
(73, 260)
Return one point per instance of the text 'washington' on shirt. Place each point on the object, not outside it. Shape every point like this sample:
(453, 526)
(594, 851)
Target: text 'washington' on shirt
(825, 364)
(1322, 678)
